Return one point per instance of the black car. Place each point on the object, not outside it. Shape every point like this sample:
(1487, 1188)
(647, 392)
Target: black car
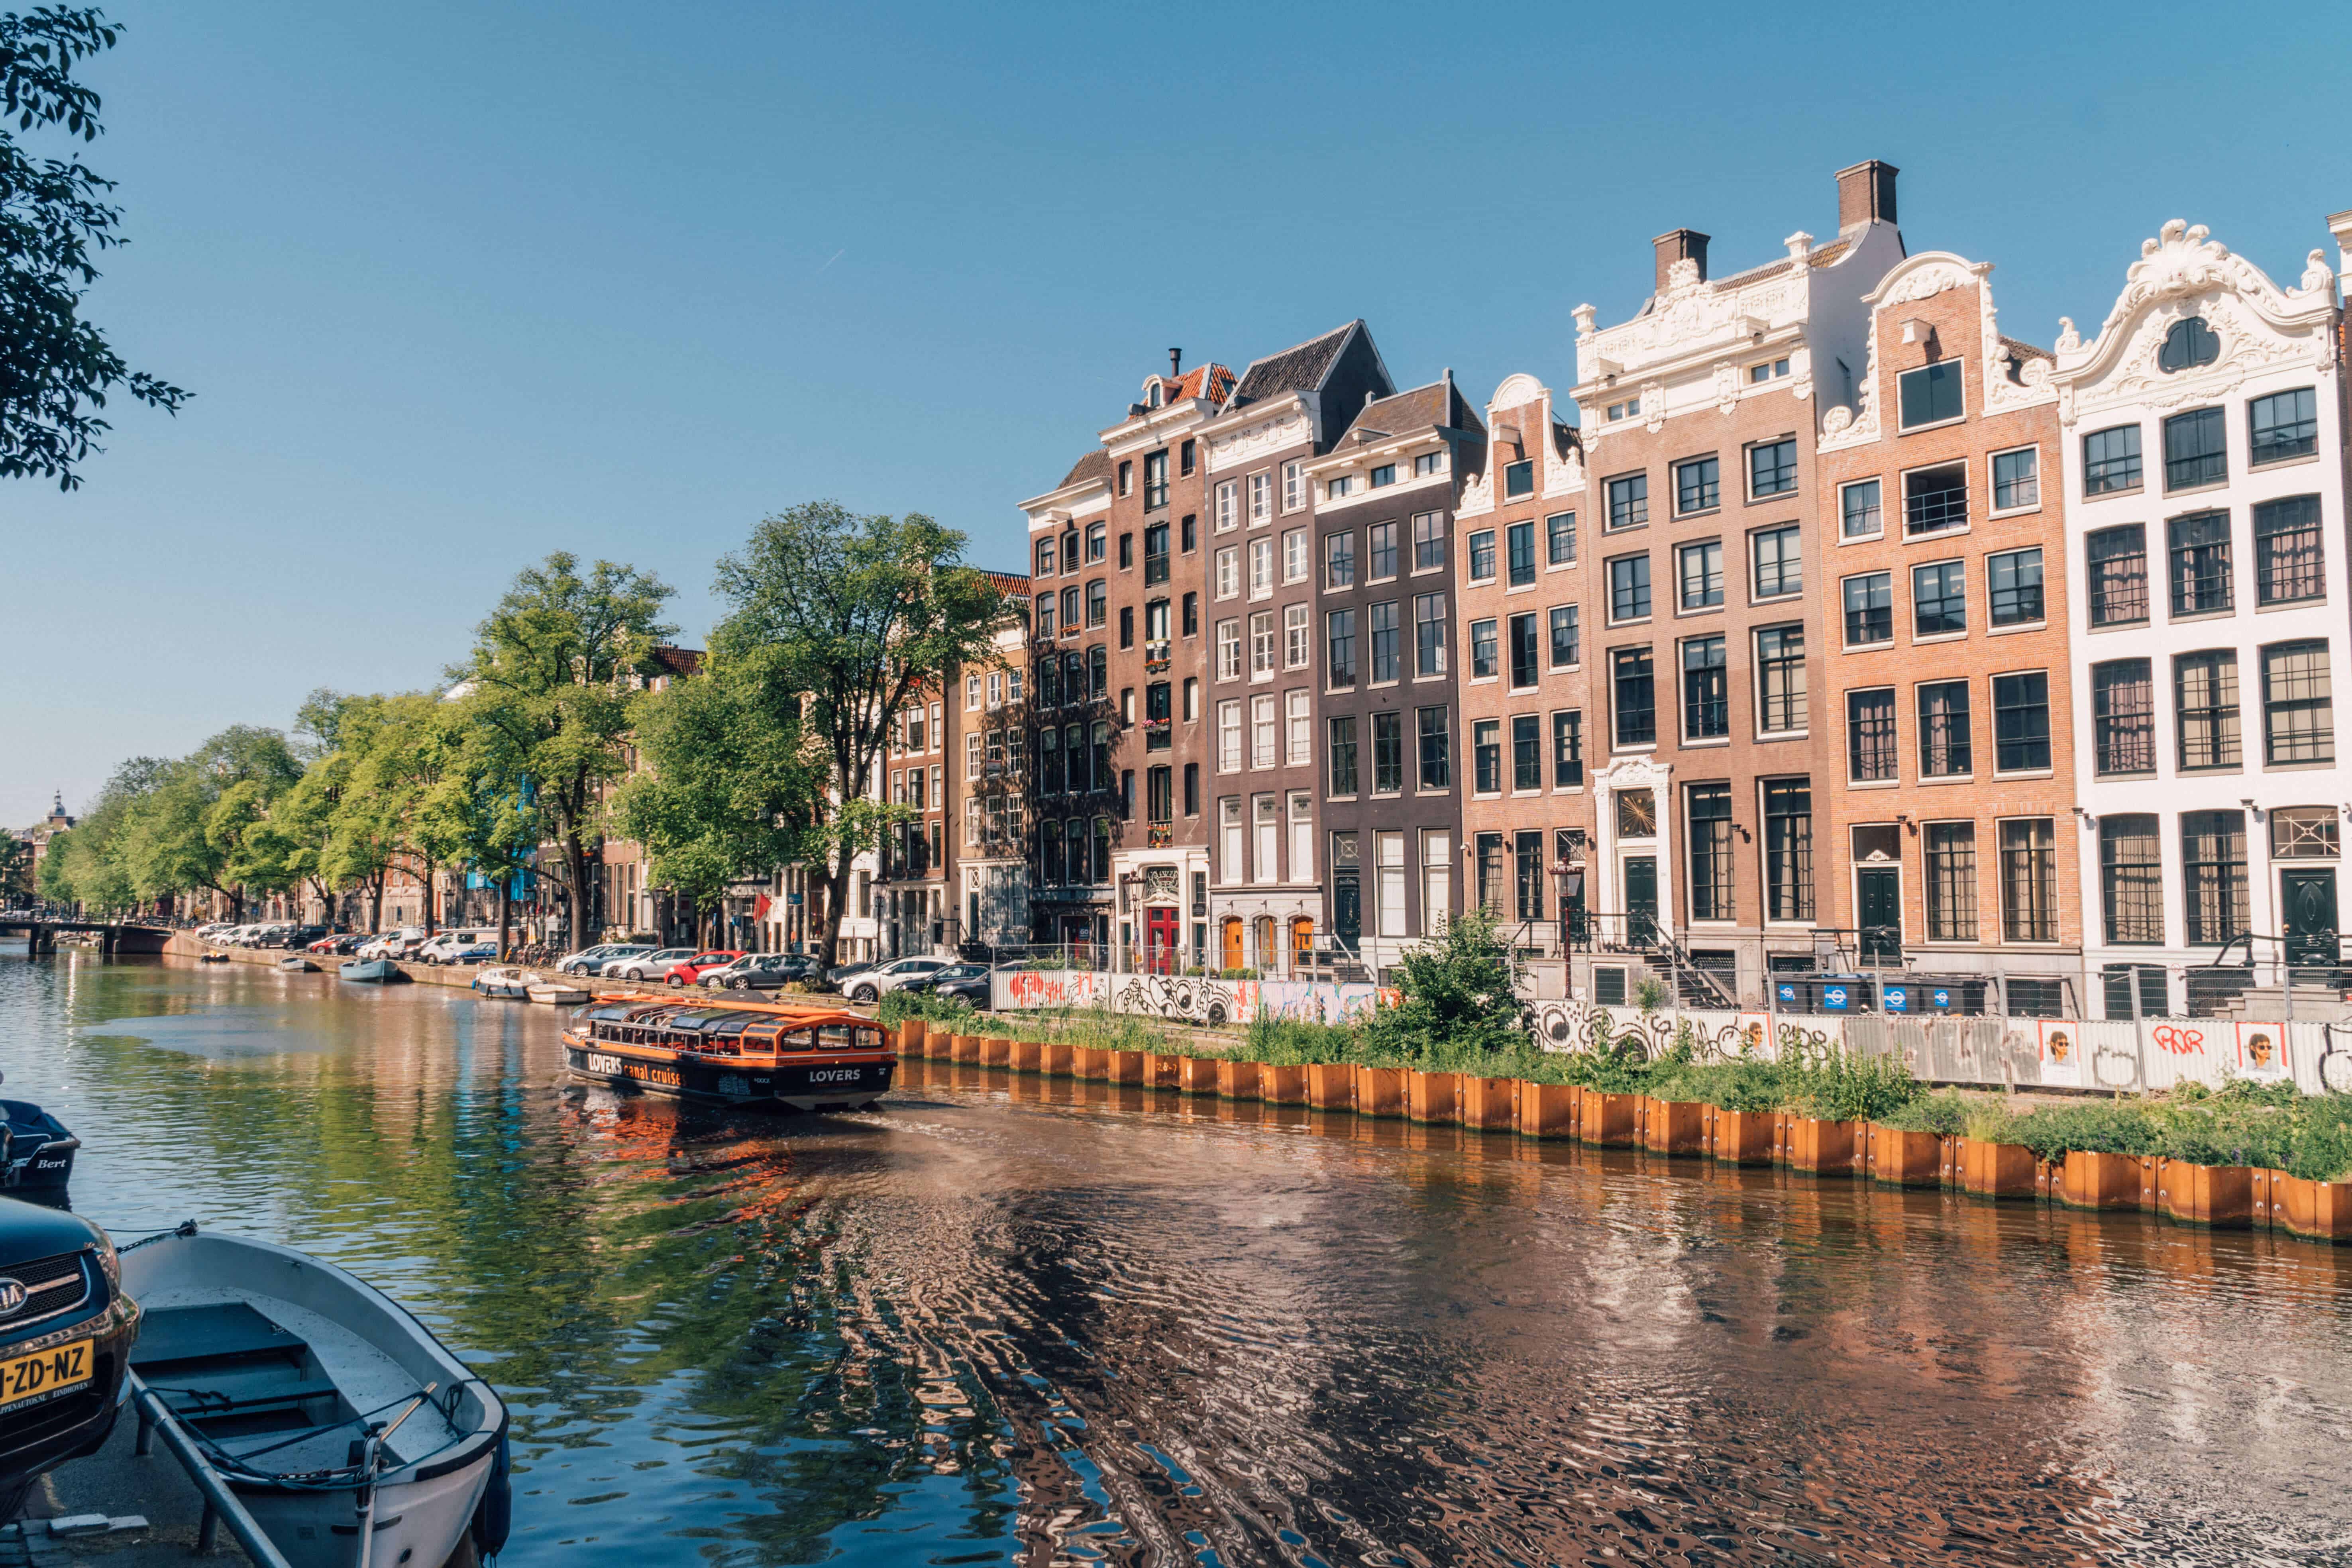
(65, 1331)
(300, 937)
(762, 971)
(968, 981)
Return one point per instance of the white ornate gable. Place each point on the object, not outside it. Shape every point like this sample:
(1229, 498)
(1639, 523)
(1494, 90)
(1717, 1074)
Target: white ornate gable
(1923, 277)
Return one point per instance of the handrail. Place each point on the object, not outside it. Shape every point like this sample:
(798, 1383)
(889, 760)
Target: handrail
(220, 1503)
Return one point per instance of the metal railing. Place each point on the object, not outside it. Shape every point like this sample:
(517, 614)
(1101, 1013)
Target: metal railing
(220, 1503)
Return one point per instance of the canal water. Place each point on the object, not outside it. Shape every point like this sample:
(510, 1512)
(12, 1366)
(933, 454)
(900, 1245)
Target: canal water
(1007, 1318)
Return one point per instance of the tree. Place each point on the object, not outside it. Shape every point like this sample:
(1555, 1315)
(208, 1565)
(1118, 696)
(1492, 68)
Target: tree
(553, 671)
(843, 618)
(200, 826)
(85, 866)
(56, 368)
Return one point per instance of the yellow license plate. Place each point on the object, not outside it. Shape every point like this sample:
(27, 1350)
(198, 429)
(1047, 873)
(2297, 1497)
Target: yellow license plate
(29, 1376)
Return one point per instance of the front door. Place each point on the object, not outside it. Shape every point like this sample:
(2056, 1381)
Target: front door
(1640, 899)
(1159, 941)
(1347, 907)
(2307, 901)
(1878, 904)
(1234, 958)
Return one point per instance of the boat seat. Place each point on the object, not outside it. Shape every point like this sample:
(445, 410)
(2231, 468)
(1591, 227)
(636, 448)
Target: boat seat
(175, 1339)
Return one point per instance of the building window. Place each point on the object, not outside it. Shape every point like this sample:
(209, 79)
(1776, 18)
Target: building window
(1858, 511)
(1567, 749)
(1229, 571)
(1870, 744)
(1159, 702)
(1945, 751)
(1261, 498)
(1869, 609)
(1528, 866)
(2298, 709)
(1490, 872)
(2288, 558)
(1294, 555)
(2111, 461)
(1780, 563)
(1187, 462)
(1384, 642)
(1436, 759)
(1343, 754)
(1229, 737)
(1936, 501)
(1770, 370)
(1071, 613)
(1265, 821)
(1707, 689)
(1707, 810)
(1044, 614)
(2205, 698)
(1155, 553)
(2021, 721)
(1339, 647)
(1226, 506)
(1229, 650)
(1192, 698)
(2017, 480)
(1523, 649)
(1482, 555)
(2190, 342)
(1788, 849)
(2123, 717)
(1297, 727)
(1939, 599)
(1772, 467)
(1191, 614)
(1339, 487)
(1261, 569)
(1429, 463)
(2283, 424)
(2304, 833)
(2201, 563)
(1487, 756)
(2117, 560)
(1522, 541)
(1127, 478)
(1629, 500)
(1931, 394)
(1155, 480)
(1098, 541)
(1559, 539)
(1429, 634)
(1293, 637)
(1698, 485)
(2028, 880)
(1702, 575)
(1428, 541)
(1636, 697)
(1265, 733)
(2214, 876)
(2013, 580)
(1339, 560)
(1387, 753)
(1294, 485)
(1260, 625)
(1159, 795)
(1780, 680)
(1949, 851)
(1629, 588)
(1302, 836)
(2131, 879)
(1565, 651)
(1520, 478)
(1482, 649)
(1381, 544)
(2195, 449)
(1229, 826)
(1127, 625)
(1097, 603)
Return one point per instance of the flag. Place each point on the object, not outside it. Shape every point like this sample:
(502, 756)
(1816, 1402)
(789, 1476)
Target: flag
(760, 908)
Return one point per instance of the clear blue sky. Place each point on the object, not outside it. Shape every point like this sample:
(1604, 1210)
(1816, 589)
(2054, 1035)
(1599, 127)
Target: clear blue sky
(460, 285)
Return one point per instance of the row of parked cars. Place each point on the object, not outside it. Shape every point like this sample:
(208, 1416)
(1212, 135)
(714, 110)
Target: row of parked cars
(726, 969)
(287, 934)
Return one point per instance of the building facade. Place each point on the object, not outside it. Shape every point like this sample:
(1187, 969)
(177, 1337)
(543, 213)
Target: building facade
(988, 746)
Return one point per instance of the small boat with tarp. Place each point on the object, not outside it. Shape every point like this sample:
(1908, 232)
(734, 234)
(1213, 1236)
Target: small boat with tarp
(733, 1053)
(507, 980)
(35, 1149)
(373, 971)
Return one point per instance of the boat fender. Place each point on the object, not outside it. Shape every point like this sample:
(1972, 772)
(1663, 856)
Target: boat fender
(494, 1515)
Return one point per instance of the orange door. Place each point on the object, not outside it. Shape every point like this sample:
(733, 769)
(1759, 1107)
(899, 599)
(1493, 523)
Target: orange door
(1233, 943)
(1302, 942)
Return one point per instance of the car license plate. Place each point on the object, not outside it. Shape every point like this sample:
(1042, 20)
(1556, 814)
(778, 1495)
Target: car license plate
(27, 1377)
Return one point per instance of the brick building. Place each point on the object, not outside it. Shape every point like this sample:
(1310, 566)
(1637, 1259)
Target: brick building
(988, 799)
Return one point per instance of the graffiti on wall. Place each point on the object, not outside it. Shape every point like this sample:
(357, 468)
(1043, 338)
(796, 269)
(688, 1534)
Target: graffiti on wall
(1185, 998)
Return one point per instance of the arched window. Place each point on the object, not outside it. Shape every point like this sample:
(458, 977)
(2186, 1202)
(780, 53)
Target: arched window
(2190, 343)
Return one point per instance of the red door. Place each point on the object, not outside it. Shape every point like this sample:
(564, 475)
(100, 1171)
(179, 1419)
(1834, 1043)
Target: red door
(1159, 941)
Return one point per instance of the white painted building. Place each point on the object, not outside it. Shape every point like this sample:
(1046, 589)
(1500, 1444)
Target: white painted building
(2203, 428)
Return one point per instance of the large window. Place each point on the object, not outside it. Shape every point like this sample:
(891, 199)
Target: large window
(1772, 467)
(2195, 449)
(1567, 749)
(1437, 754)
(1482, 555)
(1520, 478)
(1342, 732)
(1565, 650)
(1261, 568)
(1387, 753)
(1871, 750)
(1629, 500)
(1780, 563)
(2111, 461)
(2283, 424)
(1487, 756)
(1386, 661)
(1527, 879)
(2021, 721)
(1949, 853)
(2017, 480)
(2288, 558)
(2013, 581)
(1701, 572)
(1340, 643)
(1939, 599)
(1931, 394)
(2131, 878)
(1155, 553)
(2199, 545)
(1229, 737)
(1936, 501)
(2205, 701)
(1780, 680)
(2190, 342)
(1869, 609)
(1629, 588)
(1097, 603)
(1858, 508)
(1380, 551)
(1428, 540)
(2214, 876)
(1524, 647)
(1788, 849)
(1698, 485)
(1707, 692)
(1559, 539)
(1229, 650)
(1429, 634)
(2123, 717)
(1261, 627)
(2117, 562)
(2298, 708)
(1945, 751)
(1708, 813)
(1339, 560)
(1482, 650)
(1298, 727)
(1520, 543)
(1266, 732)
(1634, 683)
(2029, 879)
(1527, 751)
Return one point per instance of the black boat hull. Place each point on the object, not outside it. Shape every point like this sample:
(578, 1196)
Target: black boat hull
(47, 1165)
(817, 1086)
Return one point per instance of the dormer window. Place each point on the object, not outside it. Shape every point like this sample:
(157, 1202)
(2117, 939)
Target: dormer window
(2190, 344)
(1383, 475)
(1151, 396)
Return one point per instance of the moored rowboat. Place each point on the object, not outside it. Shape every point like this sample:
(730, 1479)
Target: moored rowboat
(373, 971)
(559, 993)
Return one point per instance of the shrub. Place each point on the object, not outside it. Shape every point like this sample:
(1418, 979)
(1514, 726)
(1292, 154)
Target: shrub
(1837, 1086)
(1944, 1114)
(1651, 994)
(2054, 1131)
(1456, 1005)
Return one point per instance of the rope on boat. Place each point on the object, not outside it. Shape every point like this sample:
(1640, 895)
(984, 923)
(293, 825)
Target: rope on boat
(185, 1228)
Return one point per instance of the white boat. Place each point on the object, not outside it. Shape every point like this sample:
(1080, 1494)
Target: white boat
(561, 992)
(506, 980)
(325, 1405)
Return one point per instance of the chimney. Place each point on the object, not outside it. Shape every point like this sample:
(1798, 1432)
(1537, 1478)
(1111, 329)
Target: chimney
(1683, 244)
(1866, 193)
(1175, 364)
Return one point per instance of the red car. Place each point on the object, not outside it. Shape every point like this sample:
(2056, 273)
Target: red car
(680, 975)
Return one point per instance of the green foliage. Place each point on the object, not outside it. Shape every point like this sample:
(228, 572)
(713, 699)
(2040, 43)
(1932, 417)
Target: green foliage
(54, 220)
(1456, 1005)
(1290, 1042)
(1944, 1114)
(1651, 996)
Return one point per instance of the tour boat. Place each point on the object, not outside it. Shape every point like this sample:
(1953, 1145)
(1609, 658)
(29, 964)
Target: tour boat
(325, 1405)
(737, 1053)
(373, 971)
(35, 1149)
(559, 993)
(506, 980)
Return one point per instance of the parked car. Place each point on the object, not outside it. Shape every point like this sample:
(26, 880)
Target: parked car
(840, 972)
(647, 965)
(398, 943)
(460, 947)
(341, 942)
(62, 1349)
(592, 959)
(883, 978)
(967, 980)
(761, 972)
(302, 936)
(690, 971)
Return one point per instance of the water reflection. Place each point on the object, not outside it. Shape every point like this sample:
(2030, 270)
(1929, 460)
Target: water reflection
(1008, 1317)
